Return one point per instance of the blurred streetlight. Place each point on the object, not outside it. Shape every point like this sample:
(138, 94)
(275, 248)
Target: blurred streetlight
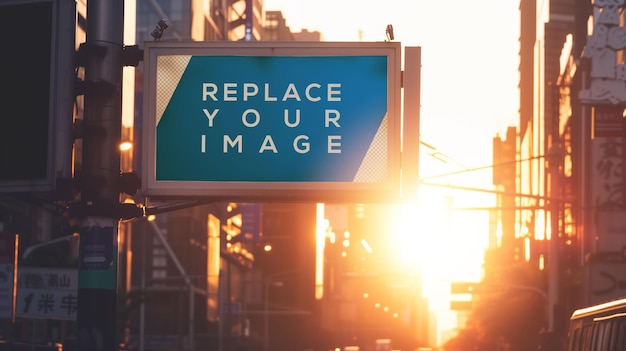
(126, 155)
(126, 146)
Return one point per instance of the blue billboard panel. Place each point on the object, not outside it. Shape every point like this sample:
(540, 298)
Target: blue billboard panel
(271, 120)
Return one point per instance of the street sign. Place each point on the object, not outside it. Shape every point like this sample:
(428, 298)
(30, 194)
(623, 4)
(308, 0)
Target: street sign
(272, 120)
(50, 293)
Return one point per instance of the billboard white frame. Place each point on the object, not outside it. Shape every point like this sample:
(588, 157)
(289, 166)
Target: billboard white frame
(389, 190)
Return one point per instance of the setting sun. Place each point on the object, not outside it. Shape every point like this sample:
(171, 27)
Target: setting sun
(443, 236)
(440, 245)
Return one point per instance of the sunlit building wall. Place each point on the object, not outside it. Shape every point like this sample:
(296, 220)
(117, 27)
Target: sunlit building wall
(545, 25)
(528, 121)
(306, 35)
(276, 27)
(571, 150)
(593, 96)
(201, 20)
(544, 29)
(504, 178)
(245, 20)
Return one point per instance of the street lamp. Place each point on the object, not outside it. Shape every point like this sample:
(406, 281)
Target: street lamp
(32, 248)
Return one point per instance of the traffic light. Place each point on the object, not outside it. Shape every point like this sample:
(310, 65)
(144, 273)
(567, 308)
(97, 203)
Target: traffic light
(37, 77)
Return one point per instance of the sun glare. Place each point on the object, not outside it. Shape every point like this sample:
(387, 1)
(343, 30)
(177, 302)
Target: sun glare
(442, 238)
(422, 232)
(410, 237)
(441, 245)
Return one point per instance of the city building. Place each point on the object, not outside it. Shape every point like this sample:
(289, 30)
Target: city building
(561, 207)
(276, 27)
(538, 226)
(264, 291)
(366, 297)
(220, 275)
(589, 113)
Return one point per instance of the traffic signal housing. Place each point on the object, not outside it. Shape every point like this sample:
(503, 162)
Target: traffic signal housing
(37, 77)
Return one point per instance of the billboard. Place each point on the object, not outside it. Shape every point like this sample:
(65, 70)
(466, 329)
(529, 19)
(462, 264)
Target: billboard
(272, 120)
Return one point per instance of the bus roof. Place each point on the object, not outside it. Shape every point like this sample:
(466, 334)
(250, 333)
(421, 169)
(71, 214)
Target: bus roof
(610, 306)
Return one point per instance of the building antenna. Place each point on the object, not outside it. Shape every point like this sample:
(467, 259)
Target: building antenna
(389, 32)
(157, 33)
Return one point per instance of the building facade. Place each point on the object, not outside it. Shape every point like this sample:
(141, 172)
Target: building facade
(592, 117)
(562, 211)
(202, 275)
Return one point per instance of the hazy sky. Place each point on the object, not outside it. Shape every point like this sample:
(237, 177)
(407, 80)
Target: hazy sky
(469, 64)
(469, 94)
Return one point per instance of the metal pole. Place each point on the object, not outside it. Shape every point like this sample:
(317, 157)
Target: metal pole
(100, 195)
(266, 322)
(192, 308)
(142, 306)
(220, 304)
(32, 248)
(584, 222)
(270, 279)
(553, 270)
(182, 272)
(411, 121)
(553, 253)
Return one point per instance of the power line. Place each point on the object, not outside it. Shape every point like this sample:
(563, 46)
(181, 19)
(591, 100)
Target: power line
(498, 192)
(436, 154)
(481, 168)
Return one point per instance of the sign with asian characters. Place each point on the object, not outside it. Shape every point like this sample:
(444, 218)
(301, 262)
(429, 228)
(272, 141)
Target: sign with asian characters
(50, 293)
(269, 120)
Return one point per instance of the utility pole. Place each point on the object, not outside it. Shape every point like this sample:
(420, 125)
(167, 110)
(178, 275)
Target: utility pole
(555, 155)
(99, 209)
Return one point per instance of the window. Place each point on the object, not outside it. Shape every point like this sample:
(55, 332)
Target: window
(574, 340)
(598, 336)
(586, 337)
(619, 333)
